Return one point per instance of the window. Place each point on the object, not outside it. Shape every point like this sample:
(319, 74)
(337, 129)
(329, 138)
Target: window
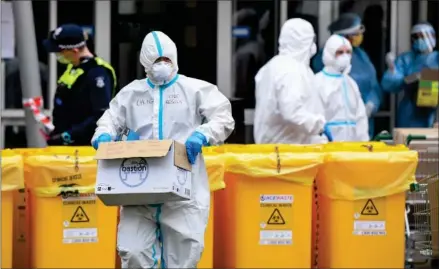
(255, 39)
(194, 35)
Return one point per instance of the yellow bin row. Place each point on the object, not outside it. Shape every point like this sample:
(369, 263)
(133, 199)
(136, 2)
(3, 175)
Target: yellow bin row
(54, 223)
(263, 218)
(12, 181)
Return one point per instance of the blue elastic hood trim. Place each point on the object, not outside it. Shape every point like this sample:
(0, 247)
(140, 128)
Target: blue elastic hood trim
(157, 43)
(169, 84)
(161, 114)
(150, 83)
(331, 75)
(162, 87)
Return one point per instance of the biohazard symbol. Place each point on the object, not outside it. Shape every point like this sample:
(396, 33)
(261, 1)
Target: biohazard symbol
(276, 218)
(369, 209)
(79, 215)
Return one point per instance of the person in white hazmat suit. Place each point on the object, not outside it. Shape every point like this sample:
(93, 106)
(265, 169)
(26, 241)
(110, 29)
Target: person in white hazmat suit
(345, 113)
(288, 109)
(167, 105)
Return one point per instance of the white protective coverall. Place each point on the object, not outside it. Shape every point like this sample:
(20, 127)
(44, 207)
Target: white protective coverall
(288, 109)
(172, 232)
(345, 113)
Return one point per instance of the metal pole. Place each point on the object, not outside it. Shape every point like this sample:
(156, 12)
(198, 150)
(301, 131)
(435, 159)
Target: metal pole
(29, 68)
(53, 66)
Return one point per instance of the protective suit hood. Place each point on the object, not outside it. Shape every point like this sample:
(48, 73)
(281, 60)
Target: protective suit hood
(155, 45)
(171, 233)
(297, 39)
(332, 45)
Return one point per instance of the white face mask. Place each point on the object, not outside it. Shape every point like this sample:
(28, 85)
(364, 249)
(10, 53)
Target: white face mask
(343, 63)
(313, 50)
(160, 73)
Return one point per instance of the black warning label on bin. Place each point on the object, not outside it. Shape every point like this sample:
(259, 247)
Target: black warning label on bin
(276, 218)
(79, 215)
(370, 209)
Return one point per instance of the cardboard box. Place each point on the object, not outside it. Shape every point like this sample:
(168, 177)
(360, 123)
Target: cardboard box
(426, 85)
(428, 158)
(400, 135)
(143, 172)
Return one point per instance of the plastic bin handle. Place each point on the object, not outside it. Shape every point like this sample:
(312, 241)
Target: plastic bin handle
(410, 138)
(381, 137)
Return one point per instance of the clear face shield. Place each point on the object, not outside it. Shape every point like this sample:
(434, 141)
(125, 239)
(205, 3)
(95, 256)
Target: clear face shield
(423, 39)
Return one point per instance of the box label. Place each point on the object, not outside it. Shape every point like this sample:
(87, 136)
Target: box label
(79, 218)
(181, 186)
(276, 214)
(428, 94)
(133, 172)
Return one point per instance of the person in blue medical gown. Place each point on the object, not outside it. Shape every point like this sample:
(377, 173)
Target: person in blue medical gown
(422, 55)
(349, 25)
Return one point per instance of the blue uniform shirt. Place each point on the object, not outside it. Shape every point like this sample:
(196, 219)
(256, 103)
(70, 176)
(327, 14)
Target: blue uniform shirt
(78, 108)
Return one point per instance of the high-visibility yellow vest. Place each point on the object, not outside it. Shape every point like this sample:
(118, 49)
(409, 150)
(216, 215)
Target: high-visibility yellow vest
(69, 77)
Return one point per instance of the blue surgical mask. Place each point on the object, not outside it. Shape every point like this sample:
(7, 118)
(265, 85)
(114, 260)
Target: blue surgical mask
(424, 45)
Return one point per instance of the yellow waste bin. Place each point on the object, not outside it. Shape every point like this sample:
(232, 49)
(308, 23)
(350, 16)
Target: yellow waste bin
(215, 171)
(12, 180)
(21, 226)
(263, 216)
(70, 228)
(21, 242)
(361, 205)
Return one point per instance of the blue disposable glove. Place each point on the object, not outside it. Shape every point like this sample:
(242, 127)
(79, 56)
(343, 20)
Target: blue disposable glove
(102, 139)
(128, 135)
(194, 144)
(132, 136)
(327, 133)
(67, 138)
(60, 139)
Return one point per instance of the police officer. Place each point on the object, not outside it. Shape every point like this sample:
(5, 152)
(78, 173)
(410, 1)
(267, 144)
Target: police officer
(84, 89)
